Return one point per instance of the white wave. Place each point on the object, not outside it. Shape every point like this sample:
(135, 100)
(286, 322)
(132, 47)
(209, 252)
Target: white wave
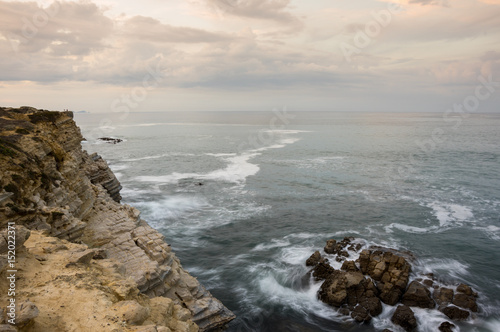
(286, 131)
(116, 168)
(450, 213)
(171, 207)
(237, 170)
(410, 229)
(302, 301)
(441, 266)
(146, 157)
(273, 244)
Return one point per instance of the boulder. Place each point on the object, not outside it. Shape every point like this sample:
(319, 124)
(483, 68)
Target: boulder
(465, 301)
(443, 296)
(467, 290)
(349, 266)
(360, 314)
(322, 271)
(314, 259)
(455, 313)
(417, 295)
(446, 327)
(404, 317)
(330, 246)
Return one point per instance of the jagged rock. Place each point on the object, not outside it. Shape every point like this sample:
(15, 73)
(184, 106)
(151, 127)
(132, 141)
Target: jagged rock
(349, 266)
(417, 295)
(314, 259)
(389, 269)
(465, 301)
(330, 246)
(455, 313)
(404, 317)
(443, 296)
(322, 271)
(360, 314)
(26, 314)
(446, 327)
(21, 235)
(54, 187)
(7, 328)
(354, 290)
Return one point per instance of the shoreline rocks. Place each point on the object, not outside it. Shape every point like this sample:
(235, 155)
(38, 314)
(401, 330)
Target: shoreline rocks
(382, 275)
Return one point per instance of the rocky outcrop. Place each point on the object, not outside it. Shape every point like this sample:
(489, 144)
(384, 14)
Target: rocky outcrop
(379, 275)
(63, 196)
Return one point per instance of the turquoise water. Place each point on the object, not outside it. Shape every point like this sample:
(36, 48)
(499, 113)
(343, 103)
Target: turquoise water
(245, 198)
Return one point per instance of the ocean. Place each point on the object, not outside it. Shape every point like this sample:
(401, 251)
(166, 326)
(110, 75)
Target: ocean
(244, 198)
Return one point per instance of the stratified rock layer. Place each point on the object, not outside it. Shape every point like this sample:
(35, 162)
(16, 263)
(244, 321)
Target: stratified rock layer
(48, 185)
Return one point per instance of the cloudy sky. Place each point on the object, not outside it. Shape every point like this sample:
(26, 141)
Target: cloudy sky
(160, 55)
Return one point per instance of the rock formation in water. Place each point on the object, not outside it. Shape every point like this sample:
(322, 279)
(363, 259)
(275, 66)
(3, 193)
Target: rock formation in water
(84, 261)
(382, 275)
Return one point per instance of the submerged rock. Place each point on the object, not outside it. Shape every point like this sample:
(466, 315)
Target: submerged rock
(110, 140)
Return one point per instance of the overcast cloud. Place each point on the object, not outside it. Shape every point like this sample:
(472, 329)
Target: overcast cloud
(243, 54)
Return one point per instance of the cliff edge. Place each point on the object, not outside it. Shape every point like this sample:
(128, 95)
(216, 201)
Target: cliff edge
(83, 261)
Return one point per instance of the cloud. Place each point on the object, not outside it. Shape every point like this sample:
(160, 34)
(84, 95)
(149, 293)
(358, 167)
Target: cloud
(275, 11)
(63, 28)
(149, 29)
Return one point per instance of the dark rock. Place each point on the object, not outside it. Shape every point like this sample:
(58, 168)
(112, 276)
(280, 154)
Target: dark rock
(386, 330)
(360, 314)
(446, 327)
(330, 246)
(404, 317)
(462, 288)
(465, 301)
(417, 295)
(314, 259)
(428, 283)
(389, 269)
(349, 266)
(110, 140)
(373, 305)
(443, 296)
(322, 271)
(455, 313)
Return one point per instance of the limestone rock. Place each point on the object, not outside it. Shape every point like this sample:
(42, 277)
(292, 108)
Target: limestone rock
(404, 317)
(131, 312)
(49, 185)
(26, 314)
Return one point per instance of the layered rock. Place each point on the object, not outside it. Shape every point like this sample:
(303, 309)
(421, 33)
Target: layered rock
(50, 186)
(383, 275)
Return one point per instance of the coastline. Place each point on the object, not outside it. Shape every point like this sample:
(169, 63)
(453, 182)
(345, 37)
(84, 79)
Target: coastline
(80, 246)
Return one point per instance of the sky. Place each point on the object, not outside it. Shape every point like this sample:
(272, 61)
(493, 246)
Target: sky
(251, 55)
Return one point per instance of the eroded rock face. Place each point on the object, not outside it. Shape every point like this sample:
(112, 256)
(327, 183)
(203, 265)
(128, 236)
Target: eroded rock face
(48, 184)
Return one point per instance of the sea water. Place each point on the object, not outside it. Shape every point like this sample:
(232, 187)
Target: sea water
(244, 198)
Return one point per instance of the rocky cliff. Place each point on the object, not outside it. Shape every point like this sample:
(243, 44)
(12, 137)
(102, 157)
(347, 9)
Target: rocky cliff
(84, 261)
